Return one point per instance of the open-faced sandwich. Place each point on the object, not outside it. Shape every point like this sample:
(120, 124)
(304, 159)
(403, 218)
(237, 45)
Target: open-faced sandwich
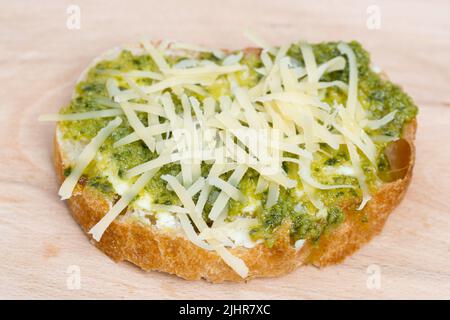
(231, 165)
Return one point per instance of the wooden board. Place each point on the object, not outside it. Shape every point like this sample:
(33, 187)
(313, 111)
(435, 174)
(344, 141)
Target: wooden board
(40, 60)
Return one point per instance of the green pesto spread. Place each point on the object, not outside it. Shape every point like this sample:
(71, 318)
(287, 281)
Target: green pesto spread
(376, 95)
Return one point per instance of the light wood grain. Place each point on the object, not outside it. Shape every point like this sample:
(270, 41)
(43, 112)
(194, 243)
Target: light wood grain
(40, 60)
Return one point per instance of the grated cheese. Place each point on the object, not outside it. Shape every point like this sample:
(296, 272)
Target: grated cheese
(98, 230)
(86, 156)
(137, 126)
(258, 41)
(152, 131)
(272, 196)
(287, 103)
(375, 124)
(228, 188)
(81, 115)
(310, 62)
(223, 197)
(352, 96)
(234, 262)
(208, 70)
(355, 159)
(156, 56)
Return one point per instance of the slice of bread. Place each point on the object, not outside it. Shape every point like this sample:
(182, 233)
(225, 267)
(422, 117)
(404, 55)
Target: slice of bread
(152, 249)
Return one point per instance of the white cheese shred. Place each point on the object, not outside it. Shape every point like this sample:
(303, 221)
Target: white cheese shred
(272, 196)
(376, 124)
(223, 197)
(190, 232)
(137, 126)
(85, 157)
(352, 95)
(356, 162)
(228, 188)
(258, 41)
(187, 201)
(156, 56)
(237, 264)
(234, 262)
(81, 116)
(98, 230)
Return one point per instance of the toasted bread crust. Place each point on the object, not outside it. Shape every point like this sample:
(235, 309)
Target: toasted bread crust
(151, 249)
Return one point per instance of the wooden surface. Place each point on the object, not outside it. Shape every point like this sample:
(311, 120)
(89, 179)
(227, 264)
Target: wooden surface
(40, 60)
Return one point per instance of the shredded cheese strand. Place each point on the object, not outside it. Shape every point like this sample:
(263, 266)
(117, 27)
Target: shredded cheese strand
(81, 116)
(376, 124)
(85, 157)
(156, 56)
(98, 230)
(352, 96)
(355, 159)
(223, 197)
(228, 188)
(137, 126)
